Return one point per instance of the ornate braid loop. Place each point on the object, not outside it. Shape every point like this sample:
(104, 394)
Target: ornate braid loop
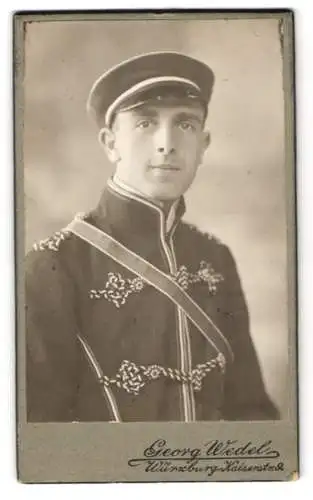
(117, 289)
(205, 274)
(132, 378)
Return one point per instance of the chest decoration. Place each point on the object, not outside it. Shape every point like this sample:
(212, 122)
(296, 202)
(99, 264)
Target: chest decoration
(132, 377)
(117, 289)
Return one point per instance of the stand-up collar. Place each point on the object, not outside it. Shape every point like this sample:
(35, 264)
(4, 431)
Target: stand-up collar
(133, 219)
(170, 213)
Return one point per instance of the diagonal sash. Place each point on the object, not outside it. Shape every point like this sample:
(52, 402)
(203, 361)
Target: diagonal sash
(163, 282)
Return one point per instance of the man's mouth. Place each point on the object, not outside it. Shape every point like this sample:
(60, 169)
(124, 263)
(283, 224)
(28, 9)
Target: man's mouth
(165, 167)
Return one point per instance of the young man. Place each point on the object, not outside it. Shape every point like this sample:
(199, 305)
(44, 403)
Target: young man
(132, 314)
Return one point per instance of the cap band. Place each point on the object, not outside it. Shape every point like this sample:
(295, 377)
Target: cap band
(150, 82)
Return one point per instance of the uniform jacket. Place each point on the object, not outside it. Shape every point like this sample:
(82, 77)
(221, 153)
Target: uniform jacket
(103, 345)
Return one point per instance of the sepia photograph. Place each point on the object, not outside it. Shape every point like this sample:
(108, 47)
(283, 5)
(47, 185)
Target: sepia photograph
(156, 243)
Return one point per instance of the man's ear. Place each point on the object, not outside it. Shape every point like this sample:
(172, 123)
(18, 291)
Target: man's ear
(206, 140)
(107, 140)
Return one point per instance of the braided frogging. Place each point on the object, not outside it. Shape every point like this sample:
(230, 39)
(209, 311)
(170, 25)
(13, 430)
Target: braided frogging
(132, 378)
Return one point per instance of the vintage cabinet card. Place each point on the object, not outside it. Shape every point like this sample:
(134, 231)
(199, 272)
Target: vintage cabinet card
(156, 261)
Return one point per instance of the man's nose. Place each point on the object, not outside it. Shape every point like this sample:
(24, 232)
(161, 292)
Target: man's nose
(165, 140)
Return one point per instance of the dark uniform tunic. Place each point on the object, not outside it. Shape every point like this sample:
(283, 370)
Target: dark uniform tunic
(154, 362)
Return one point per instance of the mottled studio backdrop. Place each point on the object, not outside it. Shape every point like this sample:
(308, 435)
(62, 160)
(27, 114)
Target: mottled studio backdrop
(239, 191)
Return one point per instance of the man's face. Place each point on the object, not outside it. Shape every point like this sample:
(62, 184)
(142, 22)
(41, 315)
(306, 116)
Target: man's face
(158, 149)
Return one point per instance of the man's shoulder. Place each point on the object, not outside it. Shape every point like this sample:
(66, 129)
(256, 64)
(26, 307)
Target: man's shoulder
(47, 255)
(53, 243)
(57, 248)
(193, 233)
(205, 245)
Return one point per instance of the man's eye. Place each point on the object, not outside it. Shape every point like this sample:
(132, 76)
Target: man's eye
(186, 126)
(144, 123)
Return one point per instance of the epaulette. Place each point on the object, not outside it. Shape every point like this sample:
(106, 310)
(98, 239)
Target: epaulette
(53, 242)
(204, 234)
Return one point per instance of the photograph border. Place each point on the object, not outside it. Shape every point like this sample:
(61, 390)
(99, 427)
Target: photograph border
(84, 441)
